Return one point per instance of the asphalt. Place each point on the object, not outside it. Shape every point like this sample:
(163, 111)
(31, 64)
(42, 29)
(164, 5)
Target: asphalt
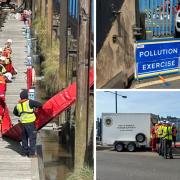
(112, 165)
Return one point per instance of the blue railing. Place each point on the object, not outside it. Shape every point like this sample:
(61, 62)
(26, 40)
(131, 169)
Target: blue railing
(73, 10)
(160, 16)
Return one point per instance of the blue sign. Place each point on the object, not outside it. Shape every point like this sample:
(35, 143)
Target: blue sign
(157, 57)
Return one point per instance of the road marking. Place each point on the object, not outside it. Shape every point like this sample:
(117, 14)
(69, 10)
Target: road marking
(156, 82)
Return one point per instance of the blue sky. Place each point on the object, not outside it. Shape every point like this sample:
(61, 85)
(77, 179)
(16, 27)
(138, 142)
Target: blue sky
(163, 103)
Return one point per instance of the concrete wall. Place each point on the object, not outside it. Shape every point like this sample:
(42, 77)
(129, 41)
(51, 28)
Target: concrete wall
(115, 59)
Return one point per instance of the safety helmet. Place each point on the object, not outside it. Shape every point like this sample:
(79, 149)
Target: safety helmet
(10, 41)
(2, 58)
(168, 122)
(164, 121)
(9, 76)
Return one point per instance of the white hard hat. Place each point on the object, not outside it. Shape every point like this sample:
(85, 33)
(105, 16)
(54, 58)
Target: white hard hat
(10, 41)
(8, 75)
(2, 58)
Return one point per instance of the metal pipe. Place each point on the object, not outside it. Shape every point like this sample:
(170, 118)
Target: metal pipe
(116, 100)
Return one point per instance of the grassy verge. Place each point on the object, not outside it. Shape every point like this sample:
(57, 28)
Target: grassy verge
(84, 174)
(50, 64)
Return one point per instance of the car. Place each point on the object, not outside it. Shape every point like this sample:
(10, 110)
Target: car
(177, 24)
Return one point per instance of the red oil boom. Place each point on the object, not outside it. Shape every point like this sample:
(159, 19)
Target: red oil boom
(50, 109)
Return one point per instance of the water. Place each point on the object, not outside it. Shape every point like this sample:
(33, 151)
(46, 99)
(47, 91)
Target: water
(57, 160)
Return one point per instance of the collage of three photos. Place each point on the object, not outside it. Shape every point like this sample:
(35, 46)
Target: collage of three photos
(137, 96)
(89, 89)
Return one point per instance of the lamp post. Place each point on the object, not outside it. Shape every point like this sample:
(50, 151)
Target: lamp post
(116, 95)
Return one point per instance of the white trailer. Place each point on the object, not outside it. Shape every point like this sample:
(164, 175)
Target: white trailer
(127, 130)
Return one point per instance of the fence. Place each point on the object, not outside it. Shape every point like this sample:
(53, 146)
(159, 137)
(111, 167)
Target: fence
(159, 16)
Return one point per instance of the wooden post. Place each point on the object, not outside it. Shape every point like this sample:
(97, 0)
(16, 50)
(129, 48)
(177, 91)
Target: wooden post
(33, 9)
(37, 7)
(63, 42)
(49, 25)
(43, 8)
(82, 84)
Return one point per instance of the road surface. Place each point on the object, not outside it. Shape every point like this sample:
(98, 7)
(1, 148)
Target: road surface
(112, 165)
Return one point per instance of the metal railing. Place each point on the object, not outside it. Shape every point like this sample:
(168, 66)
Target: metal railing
(159, 16)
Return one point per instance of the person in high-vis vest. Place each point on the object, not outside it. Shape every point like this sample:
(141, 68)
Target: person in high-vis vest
(174, 133)
(160, 136)
(25, 110)
(167, 135)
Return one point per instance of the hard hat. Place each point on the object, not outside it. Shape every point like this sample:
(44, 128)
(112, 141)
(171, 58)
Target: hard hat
(173, 124)
(9, 76)
(164, 121)
(10, 41)
(2, 58)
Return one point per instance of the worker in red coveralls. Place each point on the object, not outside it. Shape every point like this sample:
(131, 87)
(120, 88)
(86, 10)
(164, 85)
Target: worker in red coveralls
(2, 99)
(8, 62)
(153, 138)
(8, 46)
(3, 70)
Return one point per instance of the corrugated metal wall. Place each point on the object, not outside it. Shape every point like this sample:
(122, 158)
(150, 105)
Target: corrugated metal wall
(159, 15)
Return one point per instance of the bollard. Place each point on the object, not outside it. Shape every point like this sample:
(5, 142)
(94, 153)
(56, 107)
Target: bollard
(29, 46)
(29, 77)
(28, 33)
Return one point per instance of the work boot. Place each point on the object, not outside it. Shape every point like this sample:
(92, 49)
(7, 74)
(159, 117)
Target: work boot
(24, 155)
(33, 156)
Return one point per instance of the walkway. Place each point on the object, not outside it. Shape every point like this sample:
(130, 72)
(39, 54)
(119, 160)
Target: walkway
(12, 165)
